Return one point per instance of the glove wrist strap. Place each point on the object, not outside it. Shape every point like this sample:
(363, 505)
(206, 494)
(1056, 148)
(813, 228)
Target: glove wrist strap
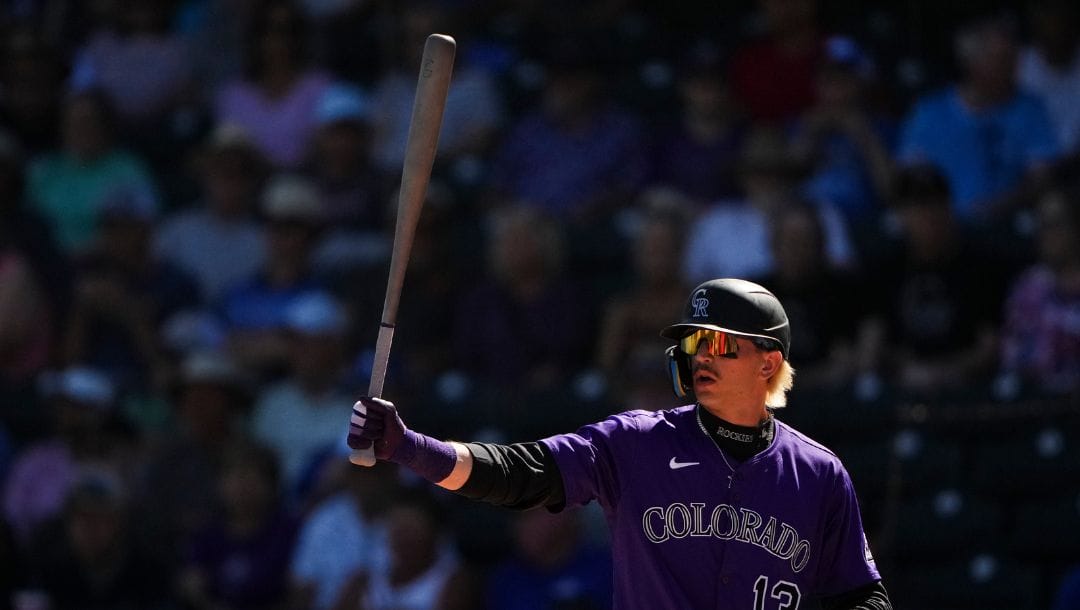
(426, 456)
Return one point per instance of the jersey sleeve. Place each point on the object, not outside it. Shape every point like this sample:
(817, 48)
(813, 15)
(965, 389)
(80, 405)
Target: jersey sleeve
(846, 562)
(588, 462)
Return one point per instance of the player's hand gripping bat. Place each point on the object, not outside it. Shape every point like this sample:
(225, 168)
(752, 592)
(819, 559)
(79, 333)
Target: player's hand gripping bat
(431, 89)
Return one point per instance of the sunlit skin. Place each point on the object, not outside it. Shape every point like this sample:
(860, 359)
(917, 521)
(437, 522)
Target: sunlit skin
(734, 389)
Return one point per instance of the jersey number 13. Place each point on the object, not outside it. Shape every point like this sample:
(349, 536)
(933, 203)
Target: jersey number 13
(785, 592)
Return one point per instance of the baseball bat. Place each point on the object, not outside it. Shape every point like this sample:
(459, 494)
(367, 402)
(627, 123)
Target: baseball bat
(432, 86)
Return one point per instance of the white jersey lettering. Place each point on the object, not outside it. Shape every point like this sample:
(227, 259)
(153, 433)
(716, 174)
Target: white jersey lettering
(662, 524)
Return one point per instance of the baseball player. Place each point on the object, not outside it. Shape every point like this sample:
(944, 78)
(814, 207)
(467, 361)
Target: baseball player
(715, 504)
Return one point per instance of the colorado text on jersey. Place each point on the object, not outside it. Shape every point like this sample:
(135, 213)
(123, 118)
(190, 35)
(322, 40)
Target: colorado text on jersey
(726, 522)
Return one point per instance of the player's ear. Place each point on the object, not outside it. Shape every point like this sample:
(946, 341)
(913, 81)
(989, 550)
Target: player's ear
(770, 363)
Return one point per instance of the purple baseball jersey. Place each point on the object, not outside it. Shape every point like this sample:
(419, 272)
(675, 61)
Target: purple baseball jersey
(690, 531)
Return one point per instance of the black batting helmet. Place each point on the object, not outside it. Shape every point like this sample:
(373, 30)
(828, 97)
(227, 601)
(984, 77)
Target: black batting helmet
(733, 306)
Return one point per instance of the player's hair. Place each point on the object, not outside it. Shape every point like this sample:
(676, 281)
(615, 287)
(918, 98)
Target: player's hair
(778, 386)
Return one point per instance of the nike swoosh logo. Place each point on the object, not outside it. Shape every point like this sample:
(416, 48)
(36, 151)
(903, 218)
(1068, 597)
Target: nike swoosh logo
(675, 465)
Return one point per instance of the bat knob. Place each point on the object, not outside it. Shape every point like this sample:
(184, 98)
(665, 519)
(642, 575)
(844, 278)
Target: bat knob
(363, 457)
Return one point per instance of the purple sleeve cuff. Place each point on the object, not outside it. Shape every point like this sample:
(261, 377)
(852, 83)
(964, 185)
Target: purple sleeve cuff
(426, 456)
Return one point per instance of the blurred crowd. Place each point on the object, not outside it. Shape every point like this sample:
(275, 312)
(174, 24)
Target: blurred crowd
(197, 206)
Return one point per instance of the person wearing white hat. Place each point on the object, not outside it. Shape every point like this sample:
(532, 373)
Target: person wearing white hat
(300, 416)
(254, 311)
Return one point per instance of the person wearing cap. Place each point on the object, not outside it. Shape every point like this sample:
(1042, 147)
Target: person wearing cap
(254, 310)
(714, 504)
(83, 431)
(355, 193)
(339, 160)
(299, 416)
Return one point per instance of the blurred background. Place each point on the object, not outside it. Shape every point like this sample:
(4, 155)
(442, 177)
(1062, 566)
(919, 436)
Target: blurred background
(197, 203)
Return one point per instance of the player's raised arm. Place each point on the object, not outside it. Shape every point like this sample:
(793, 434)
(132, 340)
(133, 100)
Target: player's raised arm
(516, 476)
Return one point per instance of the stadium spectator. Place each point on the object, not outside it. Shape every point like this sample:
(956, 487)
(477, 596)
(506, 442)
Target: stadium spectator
(772, 75)
(731, 238)
(993, 141)
(175, 494)
(443, 261)
(695, 152)
(85, 434)
(123, 295)
(343, 535)
(218, 239)
(68, 185)
(354, 191)
(628, 344)
(34, 289)
(827, 332)
(939, 335)
(423, 570)
(1050, 66)
(241, 559)
(576, 155)
(299, 417)
(520, 326)
(1040, 335)
(275, 99)
(92, 561)
(25, 231)
(254, 310)
(135, 59)
(552, 566)
(340, 159)
(847, 142)
(474, 110)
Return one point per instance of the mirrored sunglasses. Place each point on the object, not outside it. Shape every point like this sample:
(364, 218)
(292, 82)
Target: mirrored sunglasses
(717, 344)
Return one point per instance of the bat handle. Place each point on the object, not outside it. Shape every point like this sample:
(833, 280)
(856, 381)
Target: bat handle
(363, 457)
(366, 457)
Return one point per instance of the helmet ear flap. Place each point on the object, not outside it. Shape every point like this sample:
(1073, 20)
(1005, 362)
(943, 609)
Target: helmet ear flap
(679, 369)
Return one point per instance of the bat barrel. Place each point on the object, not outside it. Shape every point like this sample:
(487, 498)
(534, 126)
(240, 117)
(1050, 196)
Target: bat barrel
(432, 87)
